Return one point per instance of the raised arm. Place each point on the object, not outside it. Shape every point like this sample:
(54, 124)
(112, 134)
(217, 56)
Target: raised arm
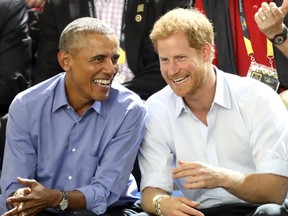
(269, 19)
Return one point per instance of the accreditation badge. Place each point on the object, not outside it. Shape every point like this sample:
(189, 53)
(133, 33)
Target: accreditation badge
(265, 74)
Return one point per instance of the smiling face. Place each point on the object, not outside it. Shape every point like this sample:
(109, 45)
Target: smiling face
(90, 69)
(182, 67)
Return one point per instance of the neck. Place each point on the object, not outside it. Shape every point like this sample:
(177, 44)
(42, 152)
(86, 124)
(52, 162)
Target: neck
(200, 103)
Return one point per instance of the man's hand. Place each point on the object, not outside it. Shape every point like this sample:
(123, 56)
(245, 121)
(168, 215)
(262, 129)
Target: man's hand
(269, 18)
(32, 199)
(35, 3)
(179, 206)
(284, 7)
(198, 175)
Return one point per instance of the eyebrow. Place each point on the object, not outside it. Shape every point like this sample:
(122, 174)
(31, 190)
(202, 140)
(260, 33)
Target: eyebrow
(97, 56)
(104, 56)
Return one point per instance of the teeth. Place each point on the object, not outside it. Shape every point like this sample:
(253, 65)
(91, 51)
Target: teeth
(103, 82)
(180, 79)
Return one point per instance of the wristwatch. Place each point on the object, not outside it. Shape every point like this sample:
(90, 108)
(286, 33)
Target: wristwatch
(64, 203)
(279, 38)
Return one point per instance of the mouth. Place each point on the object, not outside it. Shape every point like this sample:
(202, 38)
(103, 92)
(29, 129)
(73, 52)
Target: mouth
(181, 79)
(103, 82)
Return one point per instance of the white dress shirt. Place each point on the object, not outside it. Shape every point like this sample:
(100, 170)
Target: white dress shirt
(247, 132)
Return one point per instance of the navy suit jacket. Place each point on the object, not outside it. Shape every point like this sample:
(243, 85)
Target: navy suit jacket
(141, 57)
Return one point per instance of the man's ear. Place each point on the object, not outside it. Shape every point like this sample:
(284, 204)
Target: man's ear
(207, 51)
(64, 59)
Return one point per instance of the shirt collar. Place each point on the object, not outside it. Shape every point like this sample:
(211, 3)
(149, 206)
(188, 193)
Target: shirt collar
(60, 98)
(222, 94)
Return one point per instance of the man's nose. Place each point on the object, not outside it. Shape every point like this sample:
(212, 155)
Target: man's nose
(111, 66)
(172, 68)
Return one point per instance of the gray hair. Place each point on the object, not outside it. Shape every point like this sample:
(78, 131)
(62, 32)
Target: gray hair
(72, 37)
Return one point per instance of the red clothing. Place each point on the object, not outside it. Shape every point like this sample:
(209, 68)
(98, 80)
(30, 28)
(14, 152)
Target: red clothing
(258, 39)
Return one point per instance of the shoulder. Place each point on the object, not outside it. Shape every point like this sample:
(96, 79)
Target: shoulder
(37, 94)
(252, 96)
(11, 9)
(123, 97)
(162, 102)
(249, 88)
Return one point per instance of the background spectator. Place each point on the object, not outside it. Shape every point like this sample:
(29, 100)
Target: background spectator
(232, 55)
(270, 20)
(15, 51)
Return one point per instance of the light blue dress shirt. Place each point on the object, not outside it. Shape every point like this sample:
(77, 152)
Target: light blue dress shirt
(247, 131)
(47, 141)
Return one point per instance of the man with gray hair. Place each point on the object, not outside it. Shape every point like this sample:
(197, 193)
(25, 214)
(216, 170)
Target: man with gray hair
(72, 140)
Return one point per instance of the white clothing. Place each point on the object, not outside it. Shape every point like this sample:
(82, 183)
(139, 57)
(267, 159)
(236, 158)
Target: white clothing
(247, 132)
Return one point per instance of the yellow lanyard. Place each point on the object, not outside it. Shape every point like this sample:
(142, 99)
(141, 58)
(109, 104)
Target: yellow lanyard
(247, 41)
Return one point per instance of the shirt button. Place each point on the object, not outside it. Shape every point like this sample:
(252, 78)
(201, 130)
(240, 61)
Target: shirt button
(74, 149)
(68, 107)
(69, 177)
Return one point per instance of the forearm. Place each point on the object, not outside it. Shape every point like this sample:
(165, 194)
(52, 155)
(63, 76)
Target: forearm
(76, 200)
(284, 48)
(256, 188)
(147, 198)
(35, 199)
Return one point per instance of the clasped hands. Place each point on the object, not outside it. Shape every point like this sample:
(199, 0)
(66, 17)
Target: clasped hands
(29, 200)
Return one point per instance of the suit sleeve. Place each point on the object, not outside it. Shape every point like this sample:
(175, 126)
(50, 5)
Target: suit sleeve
(15, 50)
(47, 63)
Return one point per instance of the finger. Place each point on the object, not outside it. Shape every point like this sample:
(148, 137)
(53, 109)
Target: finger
(11, 212)
(189, 202)
(29, 3)
(257, 18)
(276, 12)
(263, 12)
(185, 169)
(15, 200)
(27, 191)
(20, 207)
(284, 7)
(39, 3)
(26, 182)
(188, 206)
(182, 162)
(191, 179)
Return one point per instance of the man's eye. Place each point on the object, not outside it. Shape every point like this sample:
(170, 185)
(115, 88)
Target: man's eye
(163, 60)
(180, 58)
(115, 58)
(99, 59)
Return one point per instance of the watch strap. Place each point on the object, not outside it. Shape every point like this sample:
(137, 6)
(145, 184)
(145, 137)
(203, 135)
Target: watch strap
(283, 35)
(64, 203)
